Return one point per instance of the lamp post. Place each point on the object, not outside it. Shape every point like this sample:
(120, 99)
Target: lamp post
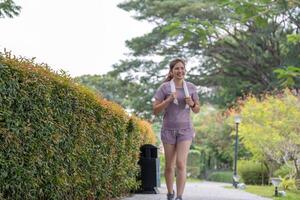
(237, 120)
(276, 182)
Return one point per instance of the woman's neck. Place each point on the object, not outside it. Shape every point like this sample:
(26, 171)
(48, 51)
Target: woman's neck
(178, 82)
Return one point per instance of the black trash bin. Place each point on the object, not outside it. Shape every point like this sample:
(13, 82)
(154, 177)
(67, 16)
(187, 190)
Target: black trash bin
(149, 163)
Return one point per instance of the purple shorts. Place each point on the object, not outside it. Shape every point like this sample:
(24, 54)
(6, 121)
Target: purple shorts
(175, 136)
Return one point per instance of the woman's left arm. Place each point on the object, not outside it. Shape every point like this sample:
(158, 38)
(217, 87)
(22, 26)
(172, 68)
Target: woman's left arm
(196, 107)
(194, 104)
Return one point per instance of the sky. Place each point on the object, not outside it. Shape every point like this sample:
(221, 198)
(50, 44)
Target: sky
(80, 37)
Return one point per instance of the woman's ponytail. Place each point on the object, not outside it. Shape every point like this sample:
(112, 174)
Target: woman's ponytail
(169, 77)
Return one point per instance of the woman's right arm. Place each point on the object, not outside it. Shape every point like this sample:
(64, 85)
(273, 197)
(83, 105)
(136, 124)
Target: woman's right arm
(159, 106)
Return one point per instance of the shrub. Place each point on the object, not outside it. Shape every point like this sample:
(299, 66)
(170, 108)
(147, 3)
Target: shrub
(61, 141)
(252, 172)
(288, 183)
(221, 176)
(193, 164)
(283, 171)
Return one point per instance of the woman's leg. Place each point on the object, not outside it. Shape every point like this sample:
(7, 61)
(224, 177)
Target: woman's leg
(170, 155)
(182, 150)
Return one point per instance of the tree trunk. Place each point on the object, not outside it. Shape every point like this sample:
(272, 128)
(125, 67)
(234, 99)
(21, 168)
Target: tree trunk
(297, 181)
(262, 174)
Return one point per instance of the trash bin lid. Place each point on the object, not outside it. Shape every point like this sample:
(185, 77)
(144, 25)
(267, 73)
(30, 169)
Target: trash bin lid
(148, 151)
(148, 146)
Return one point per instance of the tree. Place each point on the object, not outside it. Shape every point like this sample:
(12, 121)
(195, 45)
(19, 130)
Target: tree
(232, 49)
(235, 45)
(9, 9)
(270, 128)
(125, 92)
(213, 137)
(290, 75)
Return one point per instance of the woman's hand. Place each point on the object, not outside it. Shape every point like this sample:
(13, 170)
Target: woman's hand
(171, 97)
(189, 101)
(158, 106)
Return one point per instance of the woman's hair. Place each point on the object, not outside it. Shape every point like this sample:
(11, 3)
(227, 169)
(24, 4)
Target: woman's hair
(171, 66)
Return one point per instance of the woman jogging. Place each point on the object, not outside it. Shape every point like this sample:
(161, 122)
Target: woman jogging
(176, 98)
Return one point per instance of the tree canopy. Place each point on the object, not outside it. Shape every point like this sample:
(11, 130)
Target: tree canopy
(232, 47)
(9, 9)
(270, 128)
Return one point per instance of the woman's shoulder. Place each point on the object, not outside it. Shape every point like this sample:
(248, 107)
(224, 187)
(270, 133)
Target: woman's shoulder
(165, 85)
(191, 85)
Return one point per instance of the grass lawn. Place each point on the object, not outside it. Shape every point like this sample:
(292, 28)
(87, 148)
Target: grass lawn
(268, 191)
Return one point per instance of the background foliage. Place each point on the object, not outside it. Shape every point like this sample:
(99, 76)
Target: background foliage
(232, 48)
(9, 9)
(270, 128)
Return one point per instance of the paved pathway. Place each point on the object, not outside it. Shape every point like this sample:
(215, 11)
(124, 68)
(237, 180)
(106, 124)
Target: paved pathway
(202, 191)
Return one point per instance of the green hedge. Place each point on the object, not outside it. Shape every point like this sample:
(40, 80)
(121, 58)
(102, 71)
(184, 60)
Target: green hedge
(252, 172)
(58, 140)
(221, 176)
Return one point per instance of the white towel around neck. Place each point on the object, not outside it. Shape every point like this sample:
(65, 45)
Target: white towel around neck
(186, 92)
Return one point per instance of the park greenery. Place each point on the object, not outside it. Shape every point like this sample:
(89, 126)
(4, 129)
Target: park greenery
(275, 120)
(9, 9)
(244, 56)
(61, 141)
(268, 192)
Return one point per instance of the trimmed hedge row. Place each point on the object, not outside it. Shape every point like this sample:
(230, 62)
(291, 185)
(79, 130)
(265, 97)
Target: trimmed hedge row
(221, 176)
(58, 140)
(252, 172)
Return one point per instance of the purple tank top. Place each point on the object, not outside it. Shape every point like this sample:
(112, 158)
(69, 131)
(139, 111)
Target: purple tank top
(176, 117)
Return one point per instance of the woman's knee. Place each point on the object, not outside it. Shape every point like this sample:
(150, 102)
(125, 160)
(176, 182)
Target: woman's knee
(169, 167)
(181, 165)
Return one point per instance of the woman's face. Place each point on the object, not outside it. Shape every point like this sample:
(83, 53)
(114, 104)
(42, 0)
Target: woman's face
(178, 71)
